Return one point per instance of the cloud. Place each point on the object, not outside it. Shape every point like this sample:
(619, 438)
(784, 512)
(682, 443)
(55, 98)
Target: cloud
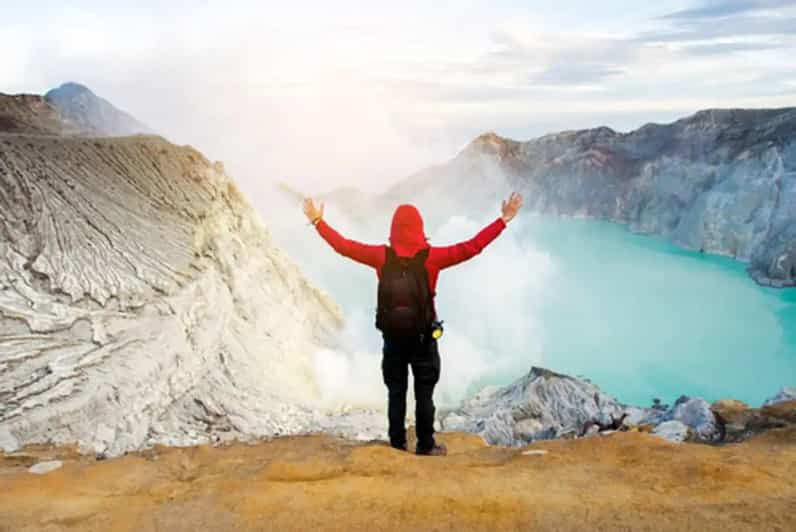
(323, 96)
(723, 48)
(735, 21)
(575, 74)
(723, 8)
(559, 59)
(731, 27)
(526, 64)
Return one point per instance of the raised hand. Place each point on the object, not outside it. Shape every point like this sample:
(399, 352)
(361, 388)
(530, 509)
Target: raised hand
(313, 213)
(510, 207)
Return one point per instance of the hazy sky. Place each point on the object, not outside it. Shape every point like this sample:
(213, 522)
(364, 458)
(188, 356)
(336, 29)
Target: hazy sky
(329, 92)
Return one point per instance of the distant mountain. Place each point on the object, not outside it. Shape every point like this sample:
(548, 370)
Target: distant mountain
(90, 112)
(721, 181)
(69, 110)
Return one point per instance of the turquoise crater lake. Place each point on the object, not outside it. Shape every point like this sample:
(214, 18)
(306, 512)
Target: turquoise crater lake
(636, 314)
(643, 318)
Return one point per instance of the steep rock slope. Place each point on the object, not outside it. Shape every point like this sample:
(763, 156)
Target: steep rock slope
(721, 181)
(142, 301)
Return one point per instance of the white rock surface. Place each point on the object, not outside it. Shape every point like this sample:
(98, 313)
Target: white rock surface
(785, 394)
(42, 468)
(8, 443)
(672, 430)
(142, 301)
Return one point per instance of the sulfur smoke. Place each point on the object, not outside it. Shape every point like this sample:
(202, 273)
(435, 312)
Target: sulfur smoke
(490, 304)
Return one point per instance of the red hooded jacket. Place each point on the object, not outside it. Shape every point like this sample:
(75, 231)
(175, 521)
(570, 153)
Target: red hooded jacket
(407, 238)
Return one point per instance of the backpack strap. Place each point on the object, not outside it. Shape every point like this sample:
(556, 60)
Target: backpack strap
(421, 255)
(419, 261)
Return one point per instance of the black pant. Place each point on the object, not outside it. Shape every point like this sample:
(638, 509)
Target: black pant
(425, 362)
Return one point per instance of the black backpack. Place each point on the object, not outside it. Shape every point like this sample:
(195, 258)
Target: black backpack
(405, 307)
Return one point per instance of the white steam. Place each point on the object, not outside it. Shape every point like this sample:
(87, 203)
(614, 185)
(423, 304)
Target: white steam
(490, 305)
(491, 308)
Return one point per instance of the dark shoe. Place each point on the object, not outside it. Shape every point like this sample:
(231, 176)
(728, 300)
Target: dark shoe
(438, 449)
(400, 447)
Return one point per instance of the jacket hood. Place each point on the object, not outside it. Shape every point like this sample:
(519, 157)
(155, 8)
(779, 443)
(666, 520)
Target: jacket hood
(406, 233)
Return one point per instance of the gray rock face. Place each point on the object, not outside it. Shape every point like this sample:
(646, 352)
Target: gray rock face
(721, 181)
(142, 301)
(785, 394)
(540, 405)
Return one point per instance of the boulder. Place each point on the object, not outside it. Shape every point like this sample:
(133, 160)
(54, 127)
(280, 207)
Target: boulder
(541, 405)
(738, 421)
(696, 414)
(637, 416)
(674, 431)
(783, 412)
(735, 417)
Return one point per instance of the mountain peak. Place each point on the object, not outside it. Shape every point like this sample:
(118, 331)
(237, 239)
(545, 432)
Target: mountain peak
(68, 89)
(490, 136)
(490, 143)
(87, 112)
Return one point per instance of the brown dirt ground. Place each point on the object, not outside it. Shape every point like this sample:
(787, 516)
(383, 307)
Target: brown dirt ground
(623, 481)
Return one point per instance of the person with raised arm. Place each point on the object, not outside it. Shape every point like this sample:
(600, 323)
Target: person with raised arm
(407, 270)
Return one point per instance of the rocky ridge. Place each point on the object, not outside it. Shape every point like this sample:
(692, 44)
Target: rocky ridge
(721, 181)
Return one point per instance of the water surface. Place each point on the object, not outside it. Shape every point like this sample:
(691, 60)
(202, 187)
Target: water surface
(644, 318)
